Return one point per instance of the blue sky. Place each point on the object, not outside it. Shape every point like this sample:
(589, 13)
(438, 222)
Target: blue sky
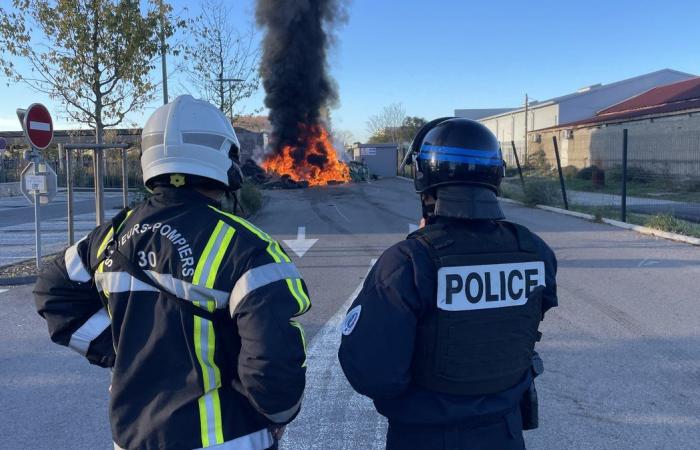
(435, 56)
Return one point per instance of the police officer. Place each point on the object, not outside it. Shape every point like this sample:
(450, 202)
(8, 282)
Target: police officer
(190, 306)
(442, 335)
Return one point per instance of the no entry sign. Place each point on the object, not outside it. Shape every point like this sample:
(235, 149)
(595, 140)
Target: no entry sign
(38, 126)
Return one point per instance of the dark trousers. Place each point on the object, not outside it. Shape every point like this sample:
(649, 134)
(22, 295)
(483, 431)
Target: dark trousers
(505, 434)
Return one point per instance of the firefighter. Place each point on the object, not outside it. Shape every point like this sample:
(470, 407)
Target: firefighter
(442, 335)
(190, 306)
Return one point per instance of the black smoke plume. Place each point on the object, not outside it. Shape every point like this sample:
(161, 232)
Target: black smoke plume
(294, 67)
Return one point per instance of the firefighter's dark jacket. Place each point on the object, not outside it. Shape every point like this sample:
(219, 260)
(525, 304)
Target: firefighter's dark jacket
(377, 354)
(206, 353)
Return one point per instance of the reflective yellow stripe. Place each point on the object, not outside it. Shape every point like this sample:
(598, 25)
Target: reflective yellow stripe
(303, 338)
(205, 254)
(303, 294)
(105, 241)
(219, 257)
(273, 247)
(210, 420)
(297, 297)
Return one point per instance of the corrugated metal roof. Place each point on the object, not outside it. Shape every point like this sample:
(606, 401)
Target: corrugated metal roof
(670, 98)
(662, 95)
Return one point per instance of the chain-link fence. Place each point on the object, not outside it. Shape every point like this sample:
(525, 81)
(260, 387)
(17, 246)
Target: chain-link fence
(635, 176)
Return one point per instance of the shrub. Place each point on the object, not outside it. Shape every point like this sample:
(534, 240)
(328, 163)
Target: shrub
(541, 192)
(634, 174)
(511, 171)
(569, 172)
(586, 173)
(251, 198)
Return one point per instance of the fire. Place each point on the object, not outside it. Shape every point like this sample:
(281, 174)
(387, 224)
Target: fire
(316, 161)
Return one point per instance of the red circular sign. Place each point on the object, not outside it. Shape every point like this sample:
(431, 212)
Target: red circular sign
(38, 125)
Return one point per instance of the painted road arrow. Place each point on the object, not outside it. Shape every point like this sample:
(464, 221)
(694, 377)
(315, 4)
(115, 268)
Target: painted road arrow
(301, 245)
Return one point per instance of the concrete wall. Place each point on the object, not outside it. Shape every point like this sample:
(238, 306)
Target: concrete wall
(667, 145)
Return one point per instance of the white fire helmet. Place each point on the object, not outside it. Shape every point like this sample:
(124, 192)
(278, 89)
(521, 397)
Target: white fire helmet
(188, 136)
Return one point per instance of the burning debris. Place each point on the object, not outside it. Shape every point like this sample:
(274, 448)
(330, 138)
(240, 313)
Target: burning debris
(298, 88)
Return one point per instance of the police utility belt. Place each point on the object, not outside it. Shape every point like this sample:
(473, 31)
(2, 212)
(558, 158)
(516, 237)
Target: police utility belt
(480, 337)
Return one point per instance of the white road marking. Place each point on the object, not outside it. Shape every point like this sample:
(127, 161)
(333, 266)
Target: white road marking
(300, 245)
(41, 126)
(646, 263)
(341, 214)
(2, 291)
(412, 227)
(333, 414)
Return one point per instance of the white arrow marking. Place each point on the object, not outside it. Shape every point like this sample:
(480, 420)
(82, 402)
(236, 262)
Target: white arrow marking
(412, 227)
(301, 245)
(2, 291)
(41, 126)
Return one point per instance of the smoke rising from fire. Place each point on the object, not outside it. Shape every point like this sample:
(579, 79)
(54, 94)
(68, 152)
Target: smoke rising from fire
(295, 73)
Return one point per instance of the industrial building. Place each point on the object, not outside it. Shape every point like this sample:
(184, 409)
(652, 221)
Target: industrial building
(663, 126)
(510, 125)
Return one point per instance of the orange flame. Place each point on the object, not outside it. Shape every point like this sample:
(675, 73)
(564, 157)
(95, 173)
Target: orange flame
(316, 163)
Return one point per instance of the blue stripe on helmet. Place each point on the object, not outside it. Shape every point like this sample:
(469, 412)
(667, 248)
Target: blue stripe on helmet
(459, 151)
(461, 159)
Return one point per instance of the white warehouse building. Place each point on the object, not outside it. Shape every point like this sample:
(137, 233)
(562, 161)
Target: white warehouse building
(509, 125)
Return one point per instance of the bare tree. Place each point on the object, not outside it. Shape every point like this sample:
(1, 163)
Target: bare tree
(218, 52)
(387, 124)
(95, 56)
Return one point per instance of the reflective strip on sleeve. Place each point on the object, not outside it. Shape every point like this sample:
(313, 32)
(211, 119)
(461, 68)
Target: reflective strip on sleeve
(275, 251)
(258, 440)
(115, 282)
(298, 326)
(188, 291)
(258, 277)
(74, 265)
(89, 331)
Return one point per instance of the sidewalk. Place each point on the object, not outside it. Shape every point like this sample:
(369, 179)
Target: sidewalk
(17, 241)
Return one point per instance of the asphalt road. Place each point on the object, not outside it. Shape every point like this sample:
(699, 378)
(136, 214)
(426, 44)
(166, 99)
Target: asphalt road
(621, 352)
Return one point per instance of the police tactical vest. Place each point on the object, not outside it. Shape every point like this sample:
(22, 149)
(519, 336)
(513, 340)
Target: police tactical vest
(479, 335)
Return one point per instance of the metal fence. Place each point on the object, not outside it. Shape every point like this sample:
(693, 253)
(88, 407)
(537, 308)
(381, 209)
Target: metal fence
(12, 164)
(642, 178)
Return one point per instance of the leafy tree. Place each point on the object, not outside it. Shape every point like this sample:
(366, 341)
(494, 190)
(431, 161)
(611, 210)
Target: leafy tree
(218, 51)
(94, 56)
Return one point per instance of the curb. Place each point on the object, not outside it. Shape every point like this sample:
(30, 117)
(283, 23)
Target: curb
(404, 178)
(615, 223)
(18, 281)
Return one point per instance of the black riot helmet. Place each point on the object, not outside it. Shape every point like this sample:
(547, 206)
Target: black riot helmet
(450, 151)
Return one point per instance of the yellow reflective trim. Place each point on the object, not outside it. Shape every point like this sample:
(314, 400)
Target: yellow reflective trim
(303, 294)
(203, 421)
(205, 254)
(273, 248)
(299, 300)
(218, 428)
(105, 241)
(128, 213)
(203, 425)
(303, 337)
(219, 256)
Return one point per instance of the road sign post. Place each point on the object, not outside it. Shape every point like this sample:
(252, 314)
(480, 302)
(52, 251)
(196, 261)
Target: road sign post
(39, 182)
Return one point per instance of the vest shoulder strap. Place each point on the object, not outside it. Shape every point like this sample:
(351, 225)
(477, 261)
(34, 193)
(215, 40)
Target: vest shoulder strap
(524, 236)
(434, 239)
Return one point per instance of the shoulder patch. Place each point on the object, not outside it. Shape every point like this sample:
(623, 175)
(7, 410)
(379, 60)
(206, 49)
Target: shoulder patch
(351, 320)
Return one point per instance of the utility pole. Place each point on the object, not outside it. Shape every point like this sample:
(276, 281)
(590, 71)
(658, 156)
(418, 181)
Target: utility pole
(163, 54)
(526, 114)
